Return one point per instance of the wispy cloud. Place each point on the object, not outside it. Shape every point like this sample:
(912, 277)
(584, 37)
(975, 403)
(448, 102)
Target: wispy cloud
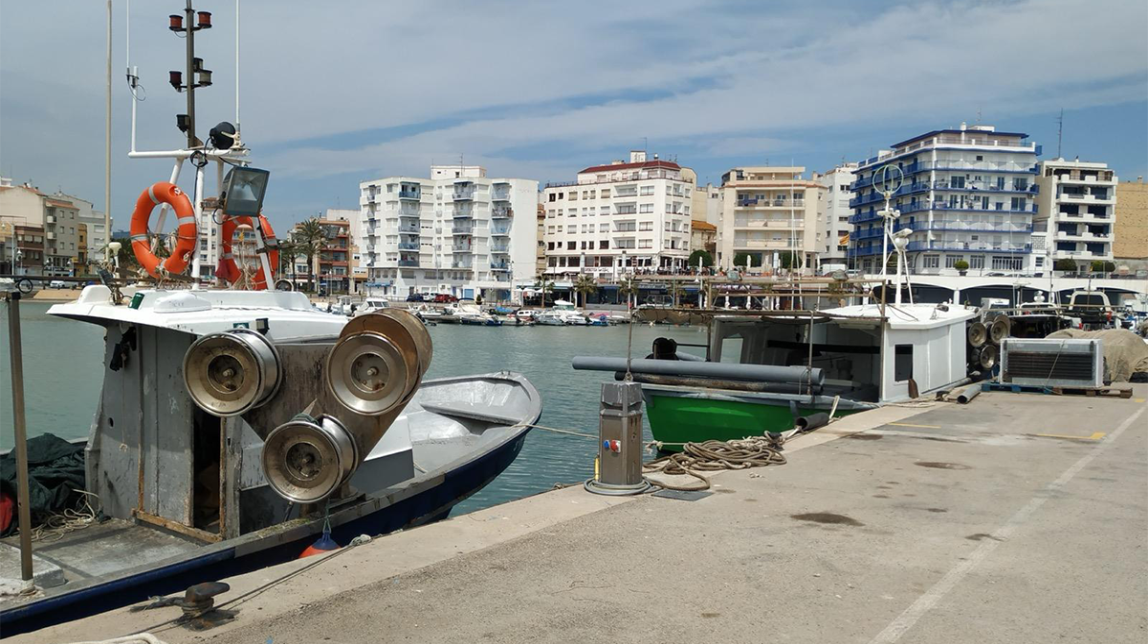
(354, 90)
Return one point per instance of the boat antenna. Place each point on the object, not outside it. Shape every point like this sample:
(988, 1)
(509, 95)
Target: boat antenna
(889, 180)
(108, 147)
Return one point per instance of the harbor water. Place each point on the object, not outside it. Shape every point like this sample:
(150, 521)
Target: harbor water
(63, 376)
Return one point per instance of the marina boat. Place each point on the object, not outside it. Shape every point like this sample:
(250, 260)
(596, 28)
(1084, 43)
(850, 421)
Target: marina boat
(551, 318)
(479, 319)
(371, 305)
(236, 427)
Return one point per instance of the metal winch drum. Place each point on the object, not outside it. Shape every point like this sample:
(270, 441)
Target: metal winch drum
(1000, 329)
(229, 373)
(315, 433)
(371, 374)
(977, 334)
(307, 459)
(987, 357)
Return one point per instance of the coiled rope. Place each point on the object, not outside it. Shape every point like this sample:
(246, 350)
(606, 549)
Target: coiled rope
(713, 456)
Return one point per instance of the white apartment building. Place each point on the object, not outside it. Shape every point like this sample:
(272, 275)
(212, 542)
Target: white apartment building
(458, 232)
(833, 213)
(1076, 217)
(634, 214)
(967, 194)
(768, 211)
(94, 221)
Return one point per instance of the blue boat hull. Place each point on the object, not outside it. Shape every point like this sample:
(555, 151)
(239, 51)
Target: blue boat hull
(425, 507)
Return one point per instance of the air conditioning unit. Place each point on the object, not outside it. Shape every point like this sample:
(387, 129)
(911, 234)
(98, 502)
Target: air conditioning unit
(1052, 362)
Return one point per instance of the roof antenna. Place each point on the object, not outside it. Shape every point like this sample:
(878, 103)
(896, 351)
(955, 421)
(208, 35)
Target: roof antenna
(1059, 132)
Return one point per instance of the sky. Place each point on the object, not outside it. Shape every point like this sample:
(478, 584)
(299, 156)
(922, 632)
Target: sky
(340, 92)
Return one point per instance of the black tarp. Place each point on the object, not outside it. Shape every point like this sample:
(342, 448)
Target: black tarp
(55, 470)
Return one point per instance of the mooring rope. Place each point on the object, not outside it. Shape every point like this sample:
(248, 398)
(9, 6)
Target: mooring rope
(713, 456)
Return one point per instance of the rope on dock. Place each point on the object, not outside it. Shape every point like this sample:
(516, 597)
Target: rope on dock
(712, 456)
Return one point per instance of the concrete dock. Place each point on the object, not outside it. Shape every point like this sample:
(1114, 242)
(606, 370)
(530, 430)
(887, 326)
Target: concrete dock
(1016, 518)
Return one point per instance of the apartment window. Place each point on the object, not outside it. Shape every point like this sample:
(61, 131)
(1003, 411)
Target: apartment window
(1039, 262)
(593, 193)
(591, 244)
(956, 182)
(583, 245)
(571, 245)
(550, 230)
(602, 228)
(645, 243)
(647, 190)
(977, 262)
(667, 225)
(605, 191)
(646, 208)
(550, 213)
(553, 197)
(1007, 263)
(951, 260)
(932, 261)
(586, 212)
(604, 245)
(646, 225)
(559, 228)
(559, 212)
(573, 195)
(605, 210)
(549, 245)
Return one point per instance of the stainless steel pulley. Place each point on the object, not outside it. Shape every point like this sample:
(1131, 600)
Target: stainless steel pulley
(229, 373)
(307, 459)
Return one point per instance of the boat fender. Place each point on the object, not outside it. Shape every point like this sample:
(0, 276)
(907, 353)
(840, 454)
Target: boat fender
(324, 544)
(187, 235)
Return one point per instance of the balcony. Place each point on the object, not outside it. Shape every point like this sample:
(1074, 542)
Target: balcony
(958, 246)
(500, 192)
(867, 234)
(463, 194)
(796, 224)
(765, 202)
(1081, 197)
(411, 195)
(500, 266)
(409, 229)
(409, 263)
(464, 249)
(501, 212)
(500, 231)
(968, 227)
(408, 246)
(51, 219)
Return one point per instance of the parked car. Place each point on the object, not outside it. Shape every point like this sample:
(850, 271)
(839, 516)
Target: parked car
(415, 297)
(57, 284)
(445, 298)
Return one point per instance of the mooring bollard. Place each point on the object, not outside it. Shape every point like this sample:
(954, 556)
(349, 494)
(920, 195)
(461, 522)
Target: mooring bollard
(619, 441)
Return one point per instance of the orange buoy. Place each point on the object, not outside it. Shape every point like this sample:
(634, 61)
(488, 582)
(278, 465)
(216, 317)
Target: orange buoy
(187, 234)
(227, 267)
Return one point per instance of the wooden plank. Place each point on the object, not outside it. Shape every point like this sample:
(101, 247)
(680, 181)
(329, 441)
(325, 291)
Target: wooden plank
(176, 527)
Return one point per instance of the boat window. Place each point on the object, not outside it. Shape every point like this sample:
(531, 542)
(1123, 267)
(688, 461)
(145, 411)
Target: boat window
(903, 362)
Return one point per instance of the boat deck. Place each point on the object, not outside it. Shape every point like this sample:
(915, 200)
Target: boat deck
(104, 548)
(1016, 518)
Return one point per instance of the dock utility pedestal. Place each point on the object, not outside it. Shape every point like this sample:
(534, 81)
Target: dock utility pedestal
(619, 441)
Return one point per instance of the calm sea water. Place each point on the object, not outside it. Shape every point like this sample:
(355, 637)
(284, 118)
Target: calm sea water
(63, 376)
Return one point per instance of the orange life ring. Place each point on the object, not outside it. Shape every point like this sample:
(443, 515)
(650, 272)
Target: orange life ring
(187, 233)
(230, 271)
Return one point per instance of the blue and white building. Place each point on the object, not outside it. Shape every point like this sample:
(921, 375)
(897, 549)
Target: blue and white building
(967, 194)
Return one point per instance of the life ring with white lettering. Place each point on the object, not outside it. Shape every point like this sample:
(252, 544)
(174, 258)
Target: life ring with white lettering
(187, 233)
(228, 269)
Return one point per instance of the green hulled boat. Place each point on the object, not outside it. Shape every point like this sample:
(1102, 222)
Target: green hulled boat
(693, 414)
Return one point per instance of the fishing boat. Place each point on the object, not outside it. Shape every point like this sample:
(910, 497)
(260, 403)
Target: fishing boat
(236, 427)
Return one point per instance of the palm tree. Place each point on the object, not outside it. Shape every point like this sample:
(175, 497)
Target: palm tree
(309, 237)
(545, 286)
(585, 286)
(289, 250)
(628, 287)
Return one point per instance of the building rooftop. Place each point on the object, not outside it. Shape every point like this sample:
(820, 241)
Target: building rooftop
(703, 225)
(657, 163)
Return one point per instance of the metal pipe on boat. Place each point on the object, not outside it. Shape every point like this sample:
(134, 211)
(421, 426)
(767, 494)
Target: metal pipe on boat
(752, 372)
(715, 383)
(19, 422)
(812, 421)
(968, 393)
